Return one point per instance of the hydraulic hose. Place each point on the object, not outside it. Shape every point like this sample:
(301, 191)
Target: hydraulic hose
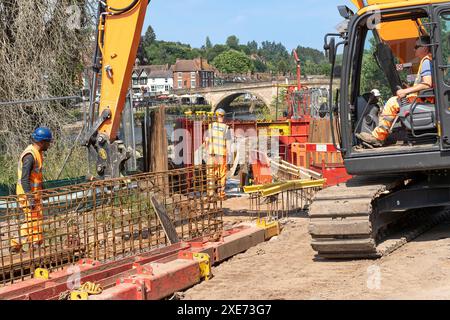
(126, 9)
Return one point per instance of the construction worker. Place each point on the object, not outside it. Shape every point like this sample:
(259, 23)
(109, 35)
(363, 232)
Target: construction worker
(29, 185)
(423, 81)
(216, 142)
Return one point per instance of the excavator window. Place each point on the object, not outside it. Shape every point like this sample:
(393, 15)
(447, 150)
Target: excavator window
(445, 36)
(383, 62)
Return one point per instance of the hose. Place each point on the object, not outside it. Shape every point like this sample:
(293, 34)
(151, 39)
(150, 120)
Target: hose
(126, 9)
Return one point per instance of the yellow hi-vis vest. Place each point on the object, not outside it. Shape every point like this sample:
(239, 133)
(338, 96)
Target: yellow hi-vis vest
(419, 77)
(217, 145)
(412, 96)
(36, 178)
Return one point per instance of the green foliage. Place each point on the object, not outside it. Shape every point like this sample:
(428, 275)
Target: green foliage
(233, 61)
(162, 52)
(212, 53)
(233, 42)
(252, 46)
(267, 57)
(371, 75)
(208, 43)
(149, 36)
(273, 53)
(311, 55)
(279, 103)
(259, 66)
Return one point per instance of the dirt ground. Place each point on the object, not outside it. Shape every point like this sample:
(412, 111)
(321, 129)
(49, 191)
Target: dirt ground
(286, 268)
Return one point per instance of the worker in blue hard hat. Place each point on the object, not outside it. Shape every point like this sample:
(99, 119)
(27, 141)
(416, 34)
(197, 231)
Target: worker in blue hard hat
(28, 189)
(216, 140)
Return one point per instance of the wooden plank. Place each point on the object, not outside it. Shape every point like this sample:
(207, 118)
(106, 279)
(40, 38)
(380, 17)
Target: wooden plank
(158, 155)
(166, 223)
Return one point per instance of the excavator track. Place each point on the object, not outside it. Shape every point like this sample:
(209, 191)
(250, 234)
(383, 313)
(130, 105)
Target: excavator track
(344, 223)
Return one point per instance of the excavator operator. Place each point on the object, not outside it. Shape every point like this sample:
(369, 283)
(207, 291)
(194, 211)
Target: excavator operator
(29, 183)
(423, 81)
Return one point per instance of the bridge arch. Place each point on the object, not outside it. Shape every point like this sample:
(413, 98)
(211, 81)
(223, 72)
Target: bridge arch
(226, 99)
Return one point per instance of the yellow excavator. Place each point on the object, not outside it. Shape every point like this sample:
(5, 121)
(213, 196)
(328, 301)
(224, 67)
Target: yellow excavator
(402, 188)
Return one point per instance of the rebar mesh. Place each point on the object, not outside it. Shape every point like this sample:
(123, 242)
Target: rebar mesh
(106, 220)
(281, 205)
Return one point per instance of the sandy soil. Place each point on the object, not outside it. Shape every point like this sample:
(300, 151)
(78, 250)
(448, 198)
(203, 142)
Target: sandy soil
(286, 268)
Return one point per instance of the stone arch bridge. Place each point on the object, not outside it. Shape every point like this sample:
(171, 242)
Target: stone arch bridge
(222, 96)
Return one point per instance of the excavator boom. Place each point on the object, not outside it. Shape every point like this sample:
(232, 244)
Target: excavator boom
(120, 25)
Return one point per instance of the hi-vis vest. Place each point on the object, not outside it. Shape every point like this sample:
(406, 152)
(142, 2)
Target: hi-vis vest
(36, 177)
(419, 80)
(217, 139)
(419, 77)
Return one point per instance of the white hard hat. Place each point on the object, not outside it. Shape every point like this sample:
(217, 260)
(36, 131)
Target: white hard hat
(376, 93)
(220, 112)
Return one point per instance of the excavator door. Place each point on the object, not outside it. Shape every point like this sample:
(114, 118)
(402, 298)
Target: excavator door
(441, 21)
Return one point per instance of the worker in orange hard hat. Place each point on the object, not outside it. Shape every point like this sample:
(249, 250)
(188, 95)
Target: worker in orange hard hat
(423, 81)
(216, 141)
(29, 186)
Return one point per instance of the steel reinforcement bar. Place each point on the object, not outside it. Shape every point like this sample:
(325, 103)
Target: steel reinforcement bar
(106, 220)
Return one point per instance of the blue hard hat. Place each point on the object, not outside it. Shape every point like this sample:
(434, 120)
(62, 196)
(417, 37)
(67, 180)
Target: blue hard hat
(42, 134)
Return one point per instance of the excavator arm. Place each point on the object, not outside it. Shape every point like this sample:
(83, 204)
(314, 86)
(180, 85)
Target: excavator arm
(120, 25)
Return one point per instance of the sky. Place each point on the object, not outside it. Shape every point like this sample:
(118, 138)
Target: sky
(291, 22)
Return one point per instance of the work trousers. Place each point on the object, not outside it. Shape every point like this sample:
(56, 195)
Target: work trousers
(387, 117)
(31, 232)
(218, 170)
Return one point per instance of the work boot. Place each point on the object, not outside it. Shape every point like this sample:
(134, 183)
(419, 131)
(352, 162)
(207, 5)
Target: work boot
(370, 139)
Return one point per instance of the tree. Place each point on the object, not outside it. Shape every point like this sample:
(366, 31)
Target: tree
(141, 55)
(162, 52)
(259, 66)
(233, 42)
(252, 46)
(310, 54)
(215, 51)
(283, 67)
(208, 44)
(371, 75)
(273, 53)
(149, 36)
(233, 61)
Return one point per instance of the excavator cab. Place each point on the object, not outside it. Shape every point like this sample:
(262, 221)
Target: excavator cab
(379, 59)
(398, 190)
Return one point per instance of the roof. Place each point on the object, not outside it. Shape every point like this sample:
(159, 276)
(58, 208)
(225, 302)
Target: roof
(163, 69)
(198, 64)
(374, 5)
(161, 74)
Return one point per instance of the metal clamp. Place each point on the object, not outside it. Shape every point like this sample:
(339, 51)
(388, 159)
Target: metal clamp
(204, 264)
(41, 273)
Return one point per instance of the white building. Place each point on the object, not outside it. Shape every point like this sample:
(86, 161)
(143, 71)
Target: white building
(152, 81)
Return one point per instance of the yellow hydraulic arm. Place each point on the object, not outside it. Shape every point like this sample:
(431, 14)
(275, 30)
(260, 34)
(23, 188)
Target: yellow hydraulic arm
(120, 25)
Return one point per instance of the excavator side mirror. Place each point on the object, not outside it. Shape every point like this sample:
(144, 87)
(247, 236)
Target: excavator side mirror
(345, 12)
(330, 50)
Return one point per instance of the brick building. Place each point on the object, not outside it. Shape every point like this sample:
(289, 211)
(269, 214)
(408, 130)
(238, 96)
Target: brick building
(191, 74)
